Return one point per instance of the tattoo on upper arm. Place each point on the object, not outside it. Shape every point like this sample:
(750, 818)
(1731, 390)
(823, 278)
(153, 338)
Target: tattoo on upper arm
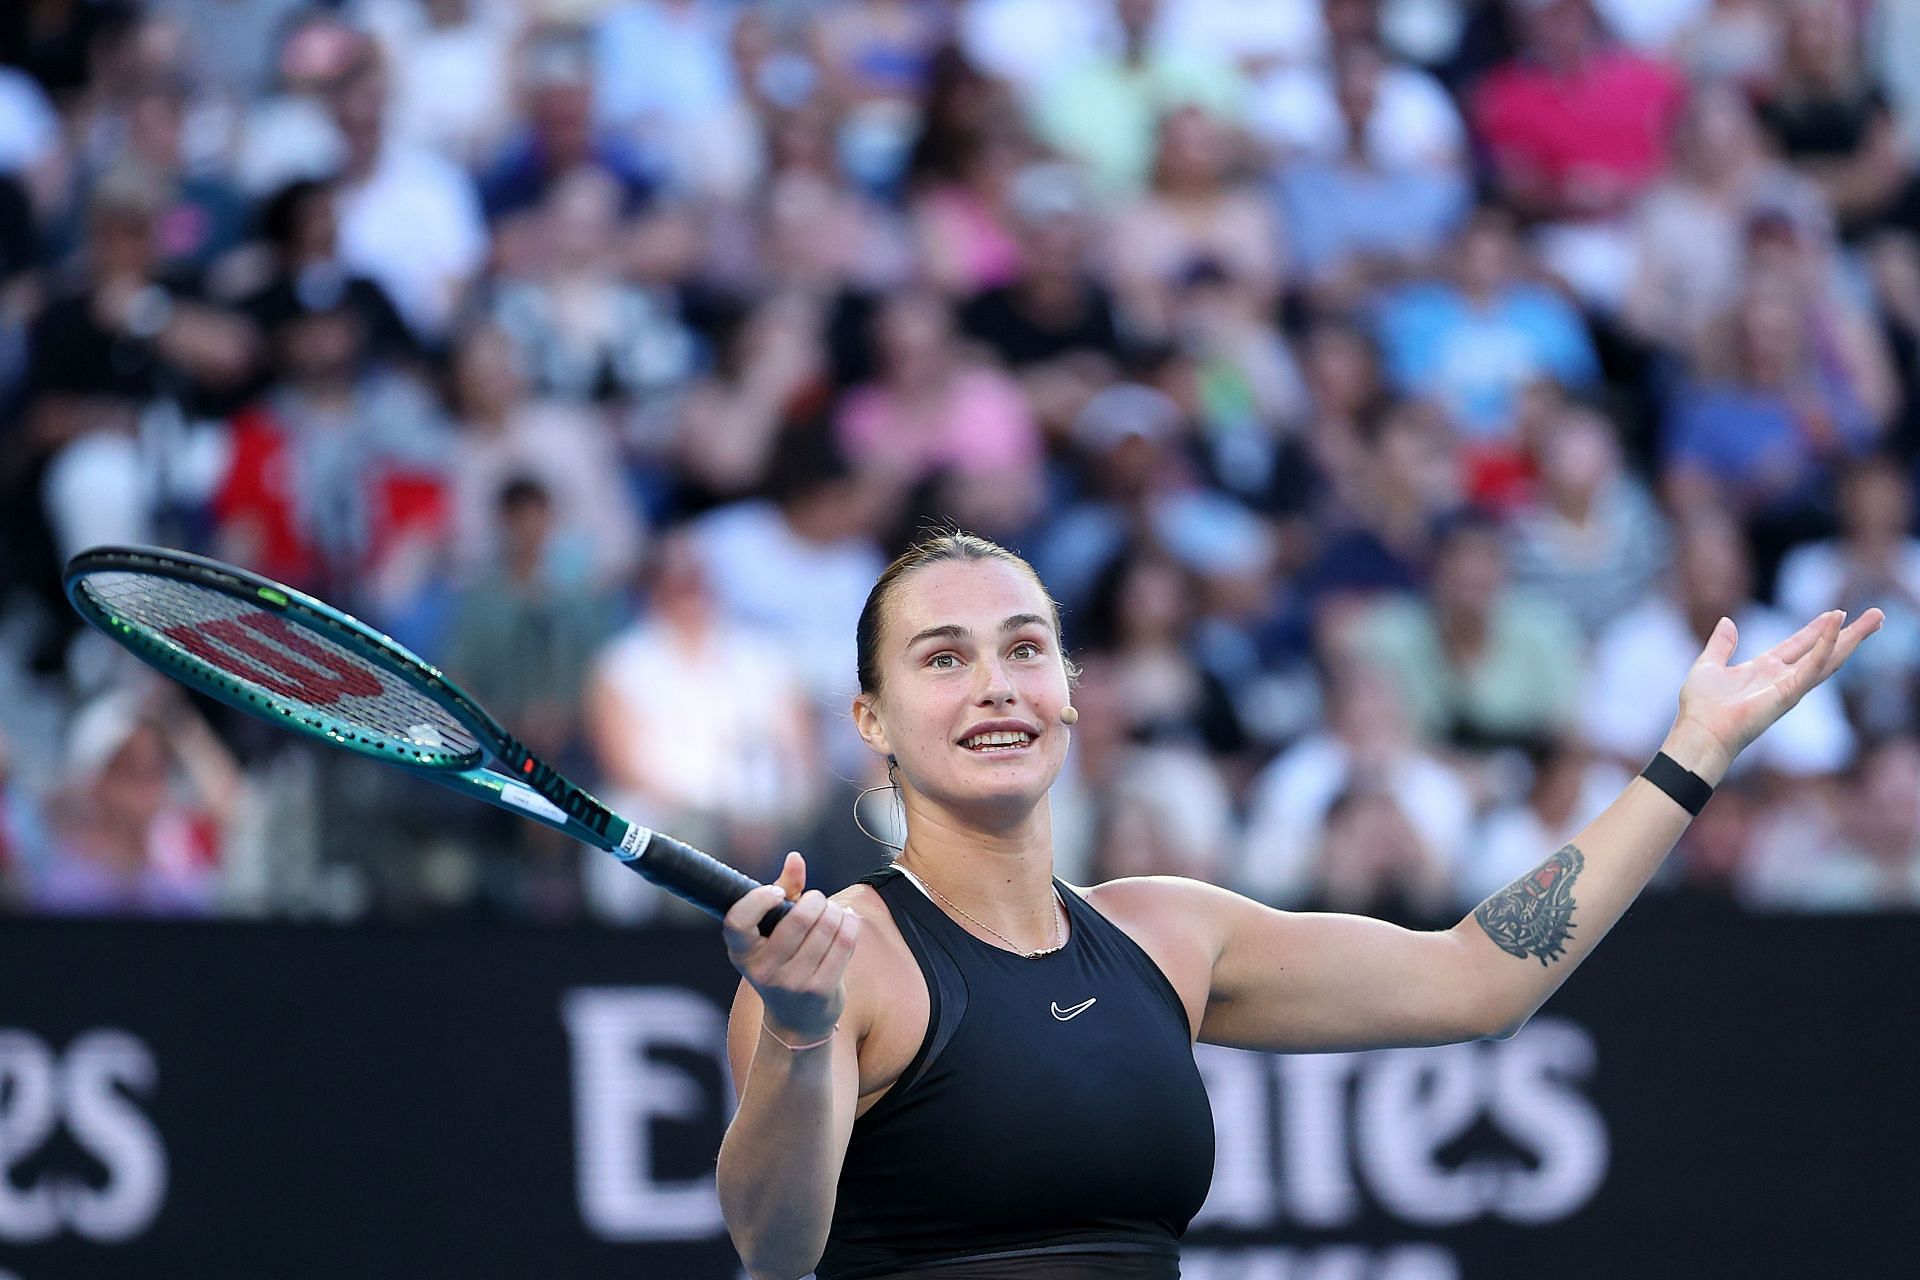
(1533, 915)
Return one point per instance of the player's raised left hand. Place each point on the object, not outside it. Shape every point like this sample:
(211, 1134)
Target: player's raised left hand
(1724, 708)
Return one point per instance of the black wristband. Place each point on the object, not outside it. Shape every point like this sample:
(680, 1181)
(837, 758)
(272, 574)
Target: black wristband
(1688, 789)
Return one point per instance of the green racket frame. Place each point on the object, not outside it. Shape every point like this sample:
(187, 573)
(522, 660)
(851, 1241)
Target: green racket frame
(498, 768)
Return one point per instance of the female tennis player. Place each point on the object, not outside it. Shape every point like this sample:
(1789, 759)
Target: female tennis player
(966, 1067)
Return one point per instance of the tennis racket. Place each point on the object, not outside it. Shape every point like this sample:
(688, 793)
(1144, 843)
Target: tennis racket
(301, 664)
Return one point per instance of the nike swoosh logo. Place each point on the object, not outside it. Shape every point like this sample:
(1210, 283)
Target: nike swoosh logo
(1066, 1015)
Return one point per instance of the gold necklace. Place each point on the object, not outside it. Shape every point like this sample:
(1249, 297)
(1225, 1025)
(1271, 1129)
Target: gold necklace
(1058, 942)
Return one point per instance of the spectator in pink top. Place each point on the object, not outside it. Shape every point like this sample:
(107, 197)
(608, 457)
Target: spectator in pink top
(961, 178)
(964, 224)
(931, 408)
(1576, 128)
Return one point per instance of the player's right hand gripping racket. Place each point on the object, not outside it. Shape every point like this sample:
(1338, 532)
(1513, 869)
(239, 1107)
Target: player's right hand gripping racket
(296, 662)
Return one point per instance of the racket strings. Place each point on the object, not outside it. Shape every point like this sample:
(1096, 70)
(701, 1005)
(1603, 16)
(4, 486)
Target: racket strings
(277, 662)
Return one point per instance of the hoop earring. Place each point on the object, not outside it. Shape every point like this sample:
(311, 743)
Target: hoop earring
(890, 785)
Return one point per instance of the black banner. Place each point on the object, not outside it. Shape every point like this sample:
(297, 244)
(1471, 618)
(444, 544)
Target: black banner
(1710, 1096)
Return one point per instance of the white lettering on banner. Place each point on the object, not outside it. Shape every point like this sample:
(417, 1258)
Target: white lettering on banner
(28, 1098)
(1409, 1107)
(620, 1089)
(1333, 1262)
(1243, 1190)
(1430, 1138)
(1535, 1105)
(1315, 1172)
(94, 1086)
(100, 1064)
(1349, 1124)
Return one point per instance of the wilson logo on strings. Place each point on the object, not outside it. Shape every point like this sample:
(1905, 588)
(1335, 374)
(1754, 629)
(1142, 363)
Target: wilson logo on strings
(292, 666)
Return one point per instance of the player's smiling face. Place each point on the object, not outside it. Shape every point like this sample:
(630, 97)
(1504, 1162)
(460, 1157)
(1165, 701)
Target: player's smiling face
(974, 681)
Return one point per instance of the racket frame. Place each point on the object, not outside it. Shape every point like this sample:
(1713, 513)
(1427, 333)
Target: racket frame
(522, 783)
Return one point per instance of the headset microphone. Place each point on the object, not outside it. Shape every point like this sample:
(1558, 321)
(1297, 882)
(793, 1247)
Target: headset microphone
(1069, 715)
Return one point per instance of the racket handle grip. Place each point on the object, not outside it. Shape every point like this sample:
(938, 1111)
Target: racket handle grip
(701, 879)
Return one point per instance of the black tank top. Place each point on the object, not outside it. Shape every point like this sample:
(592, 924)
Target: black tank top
(1052, 1125)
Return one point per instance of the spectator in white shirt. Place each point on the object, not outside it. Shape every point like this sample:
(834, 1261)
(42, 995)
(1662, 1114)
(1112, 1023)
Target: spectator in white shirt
(1875, 560)
(798, 566)
(1251, 37)
(1412, 122)
(1368, 741)
(452, 65)
(1026, 41)
(1373, 860)
(1855, 849)
(409, 217)
(1567, 788)
(1168, 813)
(700, 727)
(1653, 646)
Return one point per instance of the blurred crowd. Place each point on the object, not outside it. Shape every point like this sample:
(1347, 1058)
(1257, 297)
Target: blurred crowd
(1394, 392)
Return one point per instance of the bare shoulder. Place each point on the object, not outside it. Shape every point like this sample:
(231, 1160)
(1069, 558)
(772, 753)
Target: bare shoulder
(865, 901)
(1190, 907)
